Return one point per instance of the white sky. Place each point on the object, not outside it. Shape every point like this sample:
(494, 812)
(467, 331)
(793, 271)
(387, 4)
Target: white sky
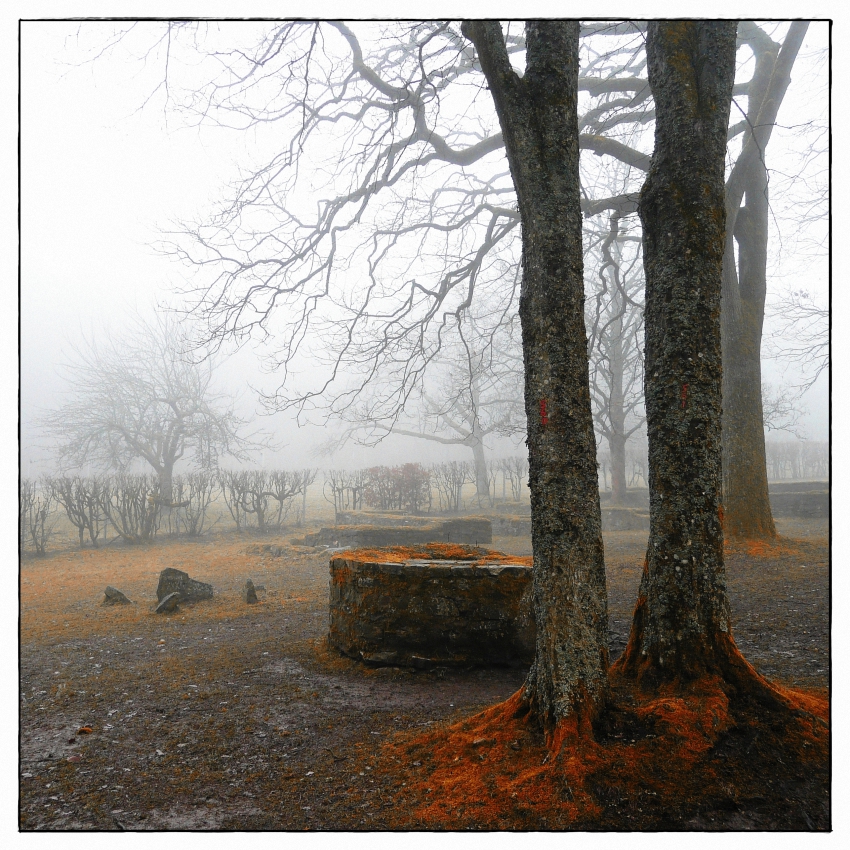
(98, 179)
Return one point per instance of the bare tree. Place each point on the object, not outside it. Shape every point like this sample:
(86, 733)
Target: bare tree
(515, 471)
(418, 214)
(476, 393)
(345, 490)
(781, 409)
(449, 478)
(802, 336)
(615, 322)
(538, 114)
(140, 398)
(745, 497)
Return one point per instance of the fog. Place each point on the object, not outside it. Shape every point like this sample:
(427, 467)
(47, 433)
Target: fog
(102, 176)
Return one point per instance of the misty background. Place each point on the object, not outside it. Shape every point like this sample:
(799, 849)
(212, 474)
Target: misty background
(105, 168)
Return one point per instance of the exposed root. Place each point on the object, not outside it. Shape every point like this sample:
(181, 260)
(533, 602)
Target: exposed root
(649, 759)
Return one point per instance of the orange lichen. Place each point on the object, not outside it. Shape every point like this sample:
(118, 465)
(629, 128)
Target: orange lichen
(435, 552)
(498, 768)
(762, 547)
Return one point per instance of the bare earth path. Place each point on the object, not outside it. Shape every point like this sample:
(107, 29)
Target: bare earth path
(229, 716)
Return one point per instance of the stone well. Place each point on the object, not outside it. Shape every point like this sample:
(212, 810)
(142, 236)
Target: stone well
(431, 606)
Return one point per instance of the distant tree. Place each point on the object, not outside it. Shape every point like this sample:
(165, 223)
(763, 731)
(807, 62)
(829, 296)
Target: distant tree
(345, 490)
(475, 392)
(615, 329)
(449, 478)
(781, 409)
(514, 471)
(139, 397)
(194, 493)
(132, 507)
(745, 497)
(802, 336)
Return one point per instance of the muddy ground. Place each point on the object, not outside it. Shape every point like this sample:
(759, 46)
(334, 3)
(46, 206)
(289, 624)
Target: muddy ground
(230, 716)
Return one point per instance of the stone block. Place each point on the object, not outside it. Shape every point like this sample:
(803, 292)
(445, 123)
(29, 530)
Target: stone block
(249, 592)
(176, 581)
(113, 596)
(168, 604)
(625, 519)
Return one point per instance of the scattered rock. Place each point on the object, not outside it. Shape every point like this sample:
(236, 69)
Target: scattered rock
(168, 604)
(249, 592)
(114, 597)
(176, 581)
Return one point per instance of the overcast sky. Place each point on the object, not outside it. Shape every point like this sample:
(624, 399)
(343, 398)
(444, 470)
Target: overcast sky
(100, 177)
(95, 182)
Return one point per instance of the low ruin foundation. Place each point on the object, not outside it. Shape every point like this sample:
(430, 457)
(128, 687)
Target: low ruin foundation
(426, 608)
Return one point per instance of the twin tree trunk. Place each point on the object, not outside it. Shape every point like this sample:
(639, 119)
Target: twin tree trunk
(538, 116)
(681, 626)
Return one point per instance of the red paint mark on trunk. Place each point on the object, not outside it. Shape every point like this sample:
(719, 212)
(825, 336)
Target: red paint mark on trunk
(544, 415)
(684, 396)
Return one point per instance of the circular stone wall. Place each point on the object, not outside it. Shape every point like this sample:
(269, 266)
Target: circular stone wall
(442, 605)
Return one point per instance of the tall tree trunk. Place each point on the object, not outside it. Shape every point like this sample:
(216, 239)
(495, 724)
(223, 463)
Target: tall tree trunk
(681, 623)
(617, 447)
(567, 683)
(482, 480)
(616, 412)
(745, 492)
(166, 483)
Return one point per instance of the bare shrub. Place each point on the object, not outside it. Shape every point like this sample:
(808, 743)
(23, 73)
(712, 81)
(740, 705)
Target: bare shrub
(35, 518)
(132, 504)
(82, 498)
(192, 495)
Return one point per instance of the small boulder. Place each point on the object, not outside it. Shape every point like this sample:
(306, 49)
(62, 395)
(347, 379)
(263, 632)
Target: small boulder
(168, 604)
(249, 592)
(176, 581)
(114, 597)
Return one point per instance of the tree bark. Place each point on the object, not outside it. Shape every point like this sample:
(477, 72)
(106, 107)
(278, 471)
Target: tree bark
(538, 115)
(745, 491)
(482, 480)
(681, 623)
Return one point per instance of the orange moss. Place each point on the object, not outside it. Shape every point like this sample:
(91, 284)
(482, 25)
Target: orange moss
(436, 552)
(497, 768)
(763, 548)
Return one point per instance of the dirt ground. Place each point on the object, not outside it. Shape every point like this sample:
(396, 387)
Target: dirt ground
(230, 716)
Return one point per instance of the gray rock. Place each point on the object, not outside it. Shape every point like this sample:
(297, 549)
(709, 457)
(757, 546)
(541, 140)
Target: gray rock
(176, 581)
(249, 592)
(114, 597)
(168, 604)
